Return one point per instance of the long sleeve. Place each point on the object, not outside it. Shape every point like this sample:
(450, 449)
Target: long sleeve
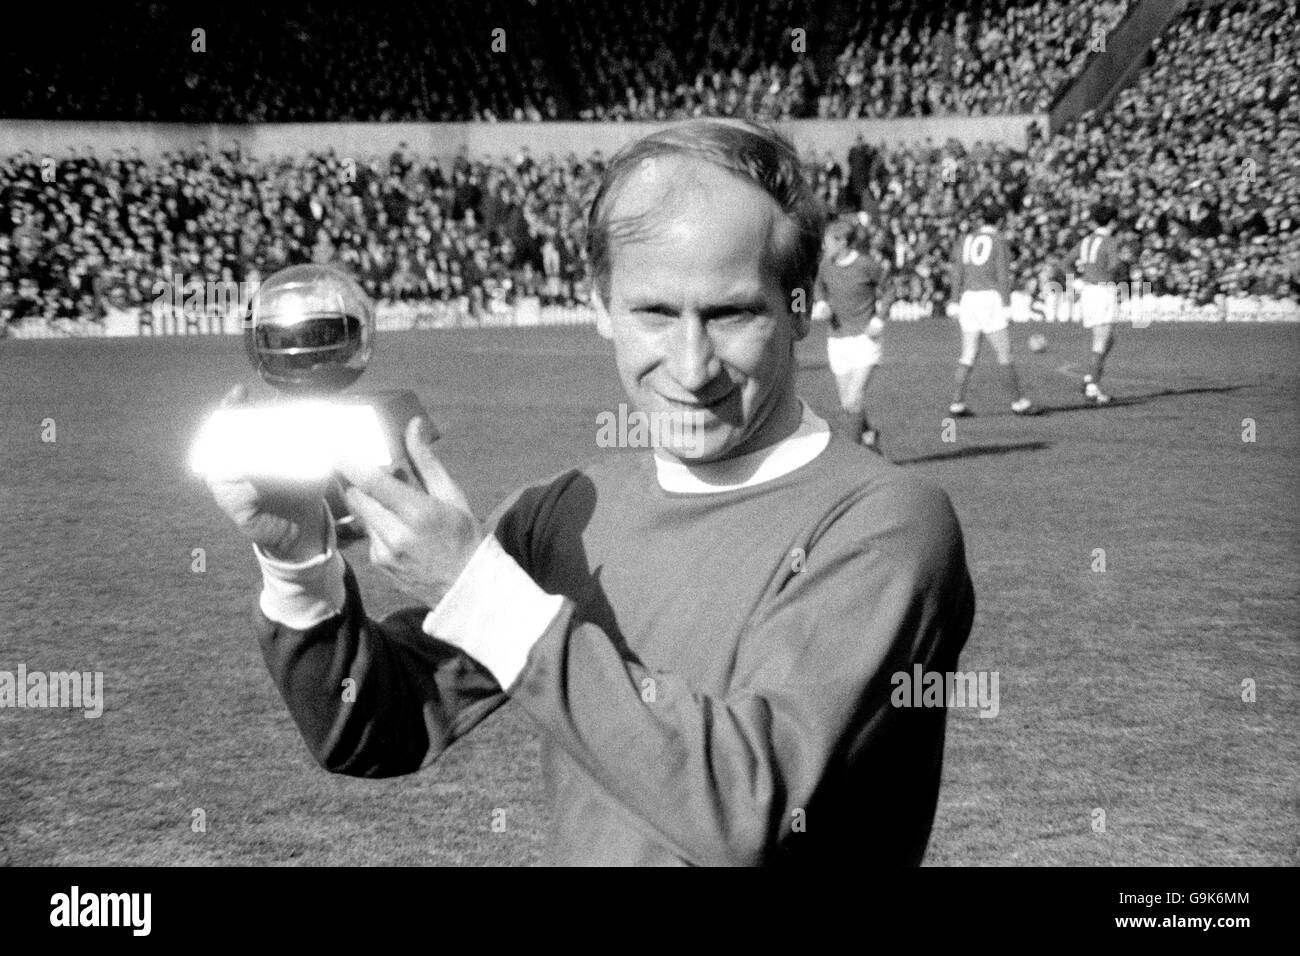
(375, 698)
(722, 779)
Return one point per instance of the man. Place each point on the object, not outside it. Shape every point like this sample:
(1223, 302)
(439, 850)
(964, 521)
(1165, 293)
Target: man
(981, 291)
(862, 160)
(1098, 261)
(704, 634)
(846, 295)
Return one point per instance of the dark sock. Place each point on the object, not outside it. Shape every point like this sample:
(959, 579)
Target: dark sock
(963, 376)
(1098, 362)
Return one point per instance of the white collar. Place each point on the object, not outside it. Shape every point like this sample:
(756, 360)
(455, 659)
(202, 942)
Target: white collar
(852, 258)
(808, 441)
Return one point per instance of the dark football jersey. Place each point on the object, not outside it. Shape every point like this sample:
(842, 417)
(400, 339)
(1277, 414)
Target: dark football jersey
(981, 261)
(1097, 258)
(851, 291)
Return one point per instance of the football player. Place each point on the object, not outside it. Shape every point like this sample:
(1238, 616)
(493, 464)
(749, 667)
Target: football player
(1099, 268)
(981, 303)
(703, 636)
(847, 294)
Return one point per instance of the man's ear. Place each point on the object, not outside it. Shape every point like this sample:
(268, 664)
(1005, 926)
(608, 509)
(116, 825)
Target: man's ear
(604, 325)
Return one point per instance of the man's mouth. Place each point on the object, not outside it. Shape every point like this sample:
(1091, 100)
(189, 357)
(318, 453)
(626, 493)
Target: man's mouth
(697, 403)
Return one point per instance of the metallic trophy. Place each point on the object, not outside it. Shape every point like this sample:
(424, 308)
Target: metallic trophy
(310, 332)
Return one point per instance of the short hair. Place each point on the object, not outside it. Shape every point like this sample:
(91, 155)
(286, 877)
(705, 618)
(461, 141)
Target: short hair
(990, 210)
(1103, 214)
(750, 151)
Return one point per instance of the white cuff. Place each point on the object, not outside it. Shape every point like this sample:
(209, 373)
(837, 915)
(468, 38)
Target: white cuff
(494, 612)
(302, 594)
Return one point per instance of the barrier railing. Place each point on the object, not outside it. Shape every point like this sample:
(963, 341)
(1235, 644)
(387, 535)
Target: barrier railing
(415, 316)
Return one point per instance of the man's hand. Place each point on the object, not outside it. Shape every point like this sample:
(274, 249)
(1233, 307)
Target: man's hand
(952, 310)
(289, 522)
(420, 541)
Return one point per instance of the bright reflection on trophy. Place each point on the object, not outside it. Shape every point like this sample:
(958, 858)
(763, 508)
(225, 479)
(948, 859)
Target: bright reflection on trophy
(309, 332)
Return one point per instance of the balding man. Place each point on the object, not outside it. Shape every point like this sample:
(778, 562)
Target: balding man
(706, 634)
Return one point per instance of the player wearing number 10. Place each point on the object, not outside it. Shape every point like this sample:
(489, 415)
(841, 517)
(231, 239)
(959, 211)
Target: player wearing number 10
(981, 302)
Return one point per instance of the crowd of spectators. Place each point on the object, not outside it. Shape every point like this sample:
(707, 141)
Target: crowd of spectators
(998, 57)
(1200, 154)
(84, 235)
(243, 61)
(489, 60)
(684, 58)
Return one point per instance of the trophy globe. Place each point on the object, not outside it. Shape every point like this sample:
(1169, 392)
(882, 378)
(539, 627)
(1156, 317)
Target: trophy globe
(310, 333)
(310, 330)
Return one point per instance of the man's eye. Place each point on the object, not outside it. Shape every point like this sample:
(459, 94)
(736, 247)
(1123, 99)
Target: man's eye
(653, 319)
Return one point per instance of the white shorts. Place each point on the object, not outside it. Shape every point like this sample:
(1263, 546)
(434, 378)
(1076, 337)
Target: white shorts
(980, 310)
(1098, 304)
(852, 353)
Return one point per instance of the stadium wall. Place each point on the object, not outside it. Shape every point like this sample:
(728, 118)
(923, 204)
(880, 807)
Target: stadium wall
(530, 313)
(364, 140)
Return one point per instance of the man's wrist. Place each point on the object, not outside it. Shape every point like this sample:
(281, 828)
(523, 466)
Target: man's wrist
(494, 612)
(312, 540)
(303, 592)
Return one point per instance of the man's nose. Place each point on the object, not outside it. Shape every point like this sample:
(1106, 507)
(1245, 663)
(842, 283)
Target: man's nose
(693, 361)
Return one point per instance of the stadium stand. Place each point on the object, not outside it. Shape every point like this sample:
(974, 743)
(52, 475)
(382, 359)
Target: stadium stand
(1200, 154)
(977, 58)
(297, 61)
(109, 232)
(545, 59)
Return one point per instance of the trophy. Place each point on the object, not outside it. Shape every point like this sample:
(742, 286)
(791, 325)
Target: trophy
(309, 331)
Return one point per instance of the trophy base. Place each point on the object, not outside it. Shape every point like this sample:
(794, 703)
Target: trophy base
(394, 409)
(294, 440)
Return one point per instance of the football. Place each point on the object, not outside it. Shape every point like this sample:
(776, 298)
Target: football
(1038, 342)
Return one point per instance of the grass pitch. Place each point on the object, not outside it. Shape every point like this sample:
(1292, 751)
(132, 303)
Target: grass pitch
(1120, 690)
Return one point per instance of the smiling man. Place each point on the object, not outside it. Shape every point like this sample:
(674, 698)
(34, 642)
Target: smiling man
(704, 634)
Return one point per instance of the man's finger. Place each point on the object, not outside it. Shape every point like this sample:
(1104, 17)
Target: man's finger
(381, 524)
(420, 436)
(399, 498)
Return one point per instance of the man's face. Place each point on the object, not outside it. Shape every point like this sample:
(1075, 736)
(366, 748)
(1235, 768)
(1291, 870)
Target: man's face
(702, 329)
(834, 244)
